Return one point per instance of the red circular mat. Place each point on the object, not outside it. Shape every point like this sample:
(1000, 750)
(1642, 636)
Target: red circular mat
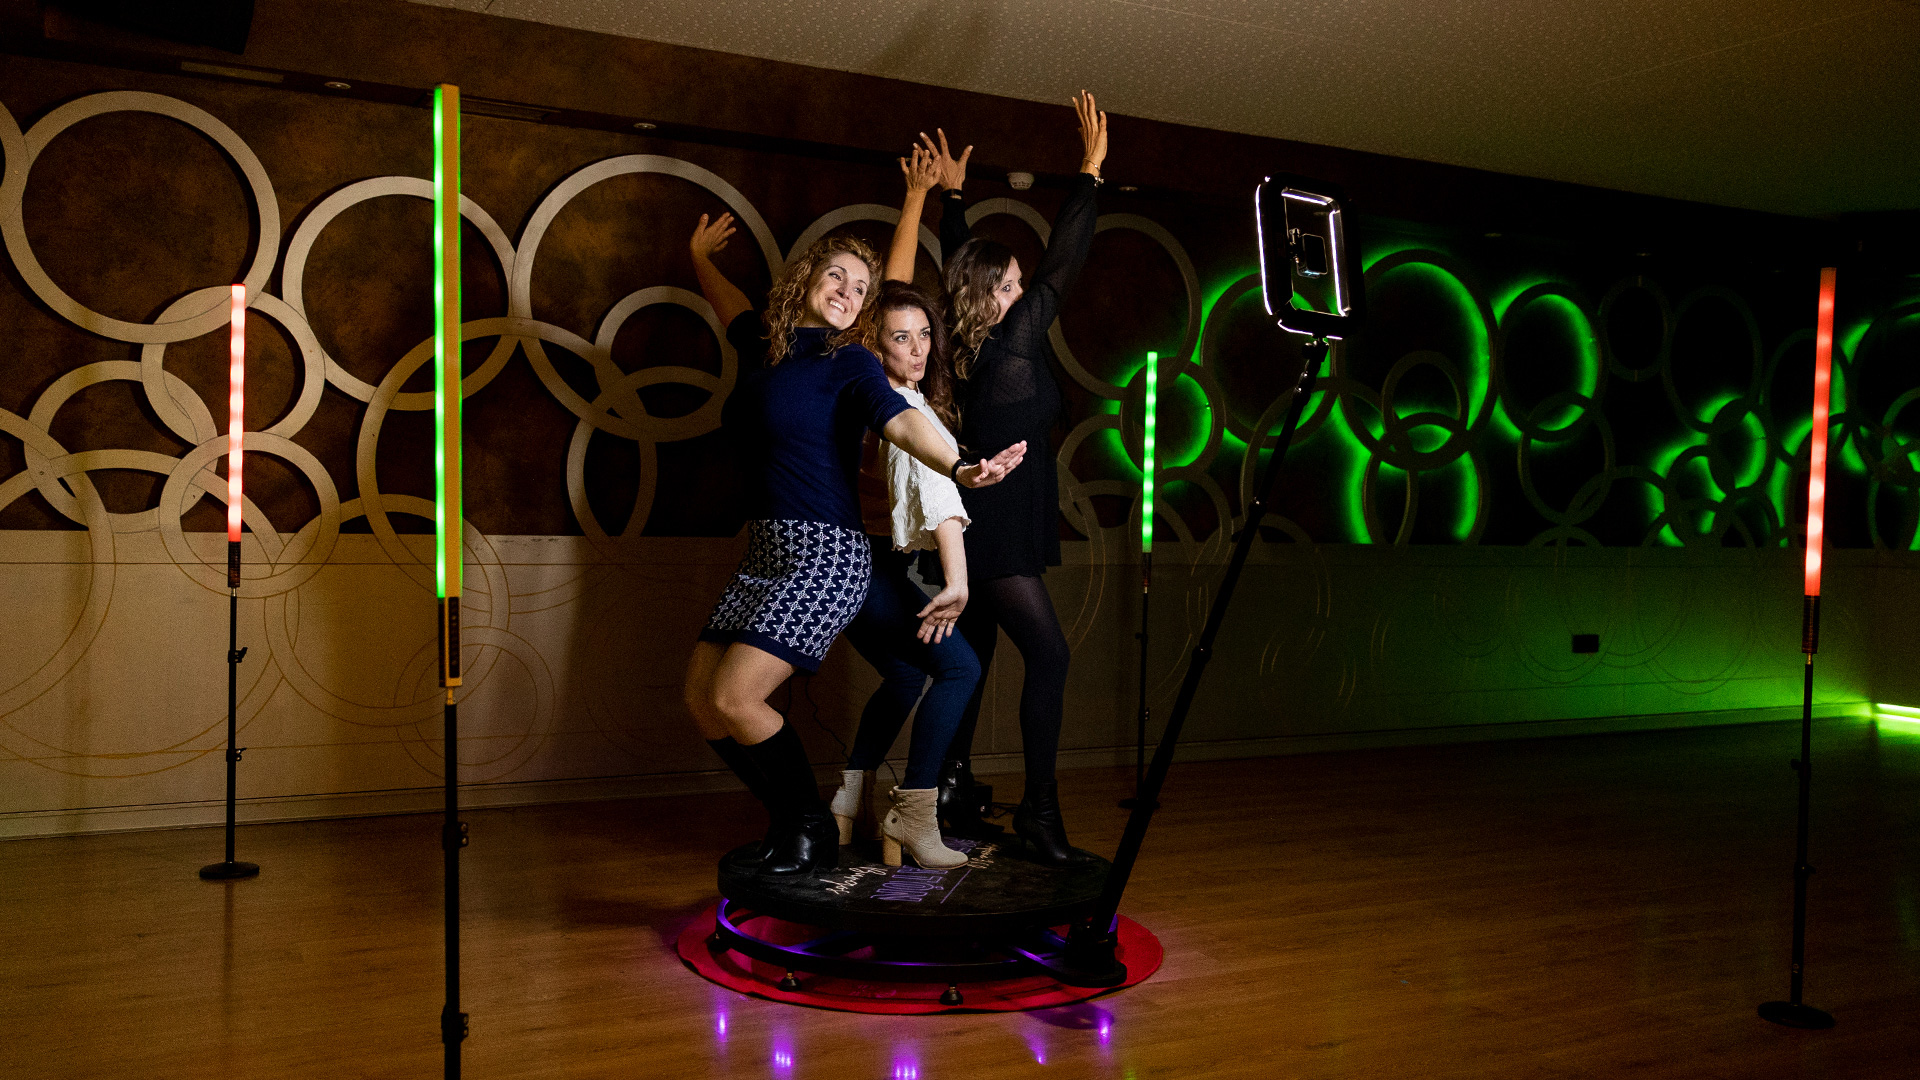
(1139, 950)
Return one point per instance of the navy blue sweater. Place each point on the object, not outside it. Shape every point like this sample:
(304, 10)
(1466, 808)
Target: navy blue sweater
(798, 424)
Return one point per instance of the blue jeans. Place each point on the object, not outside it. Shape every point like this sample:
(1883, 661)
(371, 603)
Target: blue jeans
(883, 633)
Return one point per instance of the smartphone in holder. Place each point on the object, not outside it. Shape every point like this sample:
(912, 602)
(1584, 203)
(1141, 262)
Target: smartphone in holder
(1307, 272)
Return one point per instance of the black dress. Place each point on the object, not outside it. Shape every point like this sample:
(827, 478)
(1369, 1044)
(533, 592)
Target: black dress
(1011, 395)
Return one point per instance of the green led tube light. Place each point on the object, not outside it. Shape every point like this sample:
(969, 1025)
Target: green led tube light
(1146, 460)
(446, 375)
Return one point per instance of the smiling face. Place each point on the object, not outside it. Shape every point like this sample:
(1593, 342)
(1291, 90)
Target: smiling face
(1008, 289)
(837, 293)
(905, 340)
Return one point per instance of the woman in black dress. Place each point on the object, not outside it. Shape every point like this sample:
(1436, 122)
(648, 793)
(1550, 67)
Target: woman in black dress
(1000, 326)
(797, 422)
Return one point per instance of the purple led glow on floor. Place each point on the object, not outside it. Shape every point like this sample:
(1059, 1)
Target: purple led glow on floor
(782, 1058)
(906, 1070)
(1106, 1030)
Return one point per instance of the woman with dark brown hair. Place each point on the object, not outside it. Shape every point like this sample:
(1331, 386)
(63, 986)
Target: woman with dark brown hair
(908, 638)
(797, 423)
(1000, 324)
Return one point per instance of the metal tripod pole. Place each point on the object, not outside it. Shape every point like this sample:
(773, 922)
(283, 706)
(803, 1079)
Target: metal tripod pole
(1090, 944)
(453, 837)
(1146, 711)
(229, 869)
(1791, 1012)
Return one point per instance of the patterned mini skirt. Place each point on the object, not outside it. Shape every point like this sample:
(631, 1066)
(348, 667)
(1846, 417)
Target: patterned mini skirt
(801, 583)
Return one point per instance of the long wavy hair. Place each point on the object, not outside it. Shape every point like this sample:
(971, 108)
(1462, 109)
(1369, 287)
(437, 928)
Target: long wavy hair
(973, 273)
(936, 384)
(787, 303)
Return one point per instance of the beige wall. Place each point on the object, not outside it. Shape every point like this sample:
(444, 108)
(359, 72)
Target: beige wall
(113, 695)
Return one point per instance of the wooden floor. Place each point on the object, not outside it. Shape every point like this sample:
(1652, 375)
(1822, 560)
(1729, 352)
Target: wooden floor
(1583, 907)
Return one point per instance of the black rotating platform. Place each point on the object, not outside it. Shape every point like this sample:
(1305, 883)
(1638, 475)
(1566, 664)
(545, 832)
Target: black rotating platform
(987, 920)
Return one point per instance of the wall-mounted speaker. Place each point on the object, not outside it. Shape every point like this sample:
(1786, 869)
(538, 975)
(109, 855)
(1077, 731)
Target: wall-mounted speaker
(222, 24)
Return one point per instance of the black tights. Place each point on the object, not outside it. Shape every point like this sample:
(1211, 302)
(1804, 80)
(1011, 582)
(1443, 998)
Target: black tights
(1020, 605)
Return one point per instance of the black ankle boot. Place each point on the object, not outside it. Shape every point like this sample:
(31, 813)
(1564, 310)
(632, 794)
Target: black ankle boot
(1037, 821)
(808, 844)
(959, 807)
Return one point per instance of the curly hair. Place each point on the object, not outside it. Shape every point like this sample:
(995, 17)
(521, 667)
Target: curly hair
(787, 302)
(973, 273)
(936, 384)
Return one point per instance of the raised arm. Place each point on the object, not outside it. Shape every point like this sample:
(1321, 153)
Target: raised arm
(921, 174)
(1070, 242)
(953, 175)
(729, 303)
(917, 436)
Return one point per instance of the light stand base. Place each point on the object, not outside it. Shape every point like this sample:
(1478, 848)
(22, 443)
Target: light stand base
(1795, 1015)
(229, 871)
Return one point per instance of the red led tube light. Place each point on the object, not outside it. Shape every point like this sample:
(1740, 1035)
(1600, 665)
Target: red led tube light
(1817, 457)
(236, 406)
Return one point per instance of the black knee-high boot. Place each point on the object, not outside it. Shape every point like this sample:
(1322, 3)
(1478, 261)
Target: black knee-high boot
(742, 764)
(807, 839)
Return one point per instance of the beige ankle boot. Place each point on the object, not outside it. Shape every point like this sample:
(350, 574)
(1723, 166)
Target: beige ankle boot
(913, 824)
(851, 808)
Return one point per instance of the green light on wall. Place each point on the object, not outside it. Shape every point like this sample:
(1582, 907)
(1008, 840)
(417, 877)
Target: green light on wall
(1897, 716)
(1468, 510)
(1588, 347)
(1146, 468)
(1693, 455)
(1357, 457)
(1777, 485)
(1208, 306)
(1850, 340)
(1478, 371)
(1460, 472)
(1512, 292)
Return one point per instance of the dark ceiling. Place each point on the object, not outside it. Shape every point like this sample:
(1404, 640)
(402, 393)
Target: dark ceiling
(1792, 106)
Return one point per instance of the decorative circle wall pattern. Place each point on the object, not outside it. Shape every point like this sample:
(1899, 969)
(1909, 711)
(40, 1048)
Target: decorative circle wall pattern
(1701, 492)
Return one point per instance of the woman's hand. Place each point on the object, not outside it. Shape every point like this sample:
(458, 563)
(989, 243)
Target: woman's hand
(937, 618)
(1093, 133)
(953, 173)
(728, 302)
(710, 237)
(993, 470)
(921, 170)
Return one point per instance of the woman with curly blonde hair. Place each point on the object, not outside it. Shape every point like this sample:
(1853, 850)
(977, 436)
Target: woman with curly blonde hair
(787, 303)
(798, 422)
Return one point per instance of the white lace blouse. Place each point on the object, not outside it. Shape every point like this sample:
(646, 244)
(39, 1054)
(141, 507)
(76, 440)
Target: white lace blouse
(921, 497)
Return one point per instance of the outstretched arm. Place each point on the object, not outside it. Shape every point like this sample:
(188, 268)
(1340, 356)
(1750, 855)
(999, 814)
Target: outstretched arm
(729, 303)
(915, 434)
(921, 173)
